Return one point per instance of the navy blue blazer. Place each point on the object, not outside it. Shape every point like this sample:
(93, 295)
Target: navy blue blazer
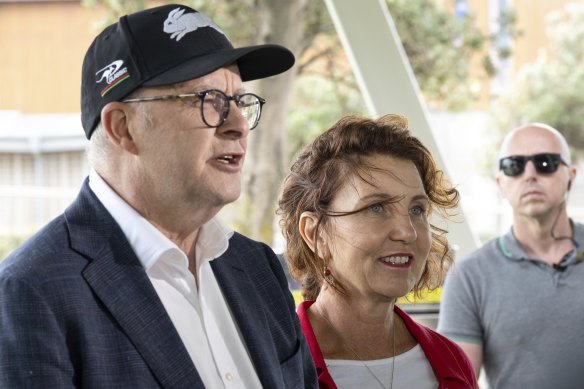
(78, 310)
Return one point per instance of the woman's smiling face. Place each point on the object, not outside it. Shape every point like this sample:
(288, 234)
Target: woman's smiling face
(380, 251)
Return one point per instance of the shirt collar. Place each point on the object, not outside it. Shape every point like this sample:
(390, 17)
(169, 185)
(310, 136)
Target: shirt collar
(213, 240)
(510, 246)
(148, 243)
(513, 250)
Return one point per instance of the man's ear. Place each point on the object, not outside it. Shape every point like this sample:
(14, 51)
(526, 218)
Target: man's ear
(572, 172)
(115, 122)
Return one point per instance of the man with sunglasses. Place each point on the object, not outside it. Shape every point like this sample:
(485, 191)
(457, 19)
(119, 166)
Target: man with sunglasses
(516, 305)
(139, 284)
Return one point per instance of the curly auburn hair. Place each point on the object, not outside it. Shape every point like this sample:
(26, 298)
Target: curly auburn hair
(322, 168)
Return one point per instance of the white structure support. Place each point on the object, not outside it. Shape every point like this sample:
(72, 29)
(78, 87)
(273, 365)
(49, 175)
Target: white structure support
(388, 84)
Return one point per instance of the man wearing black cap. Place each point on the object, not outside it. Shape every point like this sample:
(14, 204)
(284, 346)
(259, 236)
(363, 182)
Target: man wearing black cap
(139, 284)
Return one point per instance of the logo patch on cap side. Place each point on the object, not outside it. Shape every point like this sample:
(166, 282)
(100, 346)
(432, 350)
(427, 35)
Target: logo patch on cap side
(179, 24)
(113, 74)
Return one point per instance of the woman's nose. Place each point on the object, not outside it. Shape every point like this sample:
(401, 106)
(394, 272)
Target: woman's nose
(403, 229)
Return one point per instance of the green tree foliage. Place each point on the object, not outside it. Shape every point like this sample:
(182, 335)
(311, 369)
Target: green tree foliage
(550, 90)
(440, 47)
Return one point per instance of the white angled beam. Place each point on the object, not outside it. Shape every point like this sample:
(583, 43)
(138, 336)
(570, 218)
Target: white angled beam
(387, 83)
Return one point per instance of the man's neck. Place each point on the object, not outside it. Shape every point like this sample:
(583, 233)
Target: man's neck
(547, 239)
(179, 224)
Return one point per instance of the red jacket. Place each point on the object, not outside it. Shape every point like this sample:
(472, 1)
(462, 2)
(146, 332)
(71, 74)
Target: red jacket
(450, 364)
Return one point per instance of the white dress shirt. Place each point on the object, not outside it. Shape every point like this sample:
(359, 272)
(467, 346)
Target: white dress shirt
(201, 317)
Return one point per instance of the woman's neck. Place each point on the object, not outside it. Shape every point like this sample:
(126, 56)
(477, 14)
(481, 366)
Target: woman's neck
(350, 329)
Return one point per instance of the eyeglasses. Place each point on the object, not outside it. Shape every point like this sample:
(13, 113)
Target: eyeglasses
(215, 105)
(545, 163)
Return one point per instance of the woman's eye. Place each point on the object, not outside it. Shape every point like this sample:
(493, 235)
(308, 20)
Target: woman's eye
(417, 210)
(376, 208)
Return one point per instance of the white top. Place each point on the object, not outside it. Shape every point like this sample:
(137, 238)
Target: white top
(201, 317)
(412, 370)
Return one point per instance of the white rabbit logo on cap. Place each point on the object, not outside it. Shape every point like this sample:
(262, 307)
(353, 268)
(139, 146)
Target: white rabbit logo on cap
(178, 25)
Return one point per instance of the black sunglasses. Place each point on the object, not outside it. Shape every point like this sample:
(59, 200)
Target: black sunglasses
(545, 163)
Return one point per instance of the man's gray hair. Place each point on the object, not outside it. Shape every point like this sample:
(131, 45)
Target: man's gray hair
(99, 148)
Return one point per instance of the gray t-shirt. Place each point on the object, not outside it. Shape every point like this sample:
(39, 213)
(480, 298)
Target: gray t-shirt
(527, 315)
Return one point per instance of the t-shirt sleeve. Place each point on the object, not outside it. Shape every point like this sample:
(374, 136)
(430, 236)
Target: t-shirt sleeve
(460, 318)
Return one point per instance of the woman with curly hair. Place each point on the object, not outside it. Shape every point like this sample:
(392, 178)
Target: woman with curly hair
(355, 211)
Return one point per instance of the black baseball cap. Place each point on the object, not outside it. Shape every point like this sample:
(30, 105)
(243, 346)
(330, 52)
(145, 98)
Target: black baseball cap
(160, 46)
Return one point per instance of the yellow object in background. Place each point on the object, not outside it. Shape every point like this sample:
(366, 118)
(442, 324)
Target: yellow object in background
(428, 297)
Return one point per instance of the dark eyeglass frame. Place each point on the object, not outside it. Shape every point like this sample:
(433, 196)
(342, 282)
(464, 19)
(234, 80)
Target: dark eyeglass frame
(202, 95)
(544, 163)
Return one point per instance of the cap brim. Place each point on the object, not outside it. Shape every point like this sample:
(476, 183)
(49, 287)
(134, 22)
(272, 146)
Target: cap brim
(254, 62)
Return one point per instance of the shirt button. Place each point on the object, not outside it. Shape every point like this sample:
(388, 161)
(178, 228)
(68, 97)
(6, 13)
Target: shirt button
(228, 376)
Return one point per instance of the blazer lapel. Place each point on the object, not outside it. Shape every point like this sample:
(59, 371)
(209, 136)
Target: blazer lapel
(241, 295)
(121, 284)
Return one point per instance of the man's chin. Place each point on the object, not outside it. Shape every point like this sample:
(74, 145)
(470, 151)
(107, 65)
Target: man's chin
(228, 197)
(536, 210)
